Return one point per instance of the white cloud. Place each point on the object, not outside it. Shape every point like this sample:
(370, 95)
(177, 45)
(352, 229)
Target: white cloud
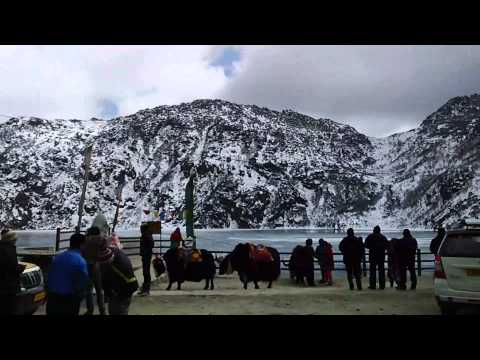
(377, 89)
(71, 81)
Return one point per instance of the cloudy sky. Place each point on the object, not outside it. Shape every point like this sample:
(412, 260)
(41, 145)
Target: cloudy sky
(377, 89)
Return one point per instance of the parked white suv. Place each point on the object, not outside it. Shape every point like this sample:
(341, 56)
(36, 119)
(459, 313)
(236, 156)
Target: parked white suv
(457, 267)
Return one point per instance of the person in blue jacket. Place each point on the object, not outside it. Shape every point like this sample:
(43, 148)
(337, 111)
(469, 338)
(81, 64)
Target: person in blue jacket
(67, 279)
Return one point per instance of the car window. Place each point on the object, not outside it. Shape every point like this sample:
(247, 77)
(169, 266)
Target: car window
(461, 245)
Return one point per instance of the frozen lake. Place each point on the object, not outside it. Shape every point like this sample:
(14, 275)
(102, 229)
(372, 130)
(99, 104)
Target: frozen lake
(284, 240)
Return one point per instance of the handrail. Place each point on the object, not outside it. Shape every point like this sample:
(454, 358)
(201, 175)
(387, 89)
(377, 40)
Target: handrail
(159, 247)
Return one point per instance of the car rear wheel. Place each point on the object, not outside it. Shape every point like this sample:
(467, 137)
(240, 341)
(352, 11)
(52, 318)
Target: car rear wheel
(447, 308)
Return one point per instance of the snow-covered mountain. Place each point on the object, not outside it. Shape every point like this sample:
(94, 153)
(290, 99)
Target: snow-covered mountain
(255, 168)
(432, 172)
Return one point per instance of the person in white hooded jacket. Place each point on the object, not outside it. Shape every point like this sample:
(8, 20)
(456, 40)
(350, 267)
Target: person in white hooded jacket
(96, 240)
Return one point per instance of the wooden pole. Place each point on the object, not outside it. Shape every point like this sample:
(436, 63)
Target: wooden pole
(57, 241)
(119, 200)
(189, 205)
(86, 163)
(115, 219)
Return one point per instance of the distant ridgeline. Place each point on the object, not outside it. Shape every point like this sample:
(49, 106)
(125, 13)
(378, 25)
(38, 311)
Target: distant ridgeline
(255, 168)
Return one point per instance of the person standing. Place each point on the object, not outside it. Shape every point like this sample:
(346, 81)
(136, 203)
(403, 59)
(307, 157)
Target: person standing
(377, 244)
(118, 279)
(329, 264)
(176, 239)
(310, 261)
(94, 242)
(67, 279)
(146, 252)
(437, 240)
(10, 271)
(353, 252)
(405, 250)
(392, 271)
(320, 255)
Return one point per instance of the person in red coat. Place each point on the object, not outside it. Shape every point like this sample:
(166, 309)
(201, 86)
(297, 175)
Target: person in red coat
(329, 264)
(176, 238)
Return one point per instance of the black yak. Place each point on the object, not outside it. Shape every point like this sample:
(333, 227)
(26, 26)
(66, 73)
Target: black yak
(252, 263)
(186, 265)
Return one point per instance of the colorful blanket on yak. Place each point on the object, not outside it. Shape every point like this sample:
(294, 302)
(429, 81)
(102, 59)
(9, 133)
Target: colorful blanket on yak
(260, 253)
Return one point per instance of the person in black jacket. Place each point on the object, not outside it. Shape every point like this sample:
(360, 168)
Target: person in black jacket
(118, 279)
(320, 254)
(437, 240)
(353, 252)
(10, 271)
(405, 250)
(146, 252)
(377, 244)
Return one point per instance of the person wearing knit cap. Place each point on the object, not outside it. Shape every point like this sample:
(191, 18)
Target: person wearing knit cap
(101, 223)
(10, 271)
(118, 279)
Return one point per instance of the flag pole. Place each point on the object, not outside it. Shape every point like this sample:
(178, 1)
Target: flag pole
(86, 165)
(119, 200)
(189, 207)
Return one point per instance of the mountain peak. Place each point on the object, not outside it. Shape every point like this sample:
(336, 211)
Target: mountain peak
(463, 100)
(457, 112)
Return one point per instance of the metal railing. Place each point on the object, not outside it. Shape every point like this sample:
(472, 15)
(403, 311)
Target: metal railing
(338, 259)
(131, 246)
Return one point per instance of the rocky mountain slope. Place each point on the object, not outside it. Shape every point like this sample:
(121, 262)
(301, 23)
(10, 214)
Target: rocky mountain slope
(432, 172)
(255, 168)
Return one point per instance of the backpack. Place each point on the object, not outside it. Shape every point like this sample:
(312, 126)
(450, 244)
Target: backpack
(130, 284)
(126, 282)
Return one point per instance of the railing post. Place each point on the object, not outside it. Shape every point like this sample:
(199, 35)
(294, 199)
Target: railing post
(364, 265)
(160, 248)
(57, 240)
(419, 262)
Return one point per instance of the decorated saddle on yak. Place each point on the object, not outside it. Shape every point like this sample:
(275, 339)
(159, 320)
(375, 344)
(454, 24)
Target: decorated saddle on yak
(194, 265)
(260, 253)
(195, 255)
(189, 255)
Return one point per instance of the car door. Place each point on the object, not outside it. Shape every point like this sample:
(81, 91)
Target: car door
(460, 255)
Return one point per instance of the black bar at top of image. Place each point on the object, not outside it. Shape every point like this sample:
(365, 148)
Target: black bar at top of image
(242, 24)
(158, 34)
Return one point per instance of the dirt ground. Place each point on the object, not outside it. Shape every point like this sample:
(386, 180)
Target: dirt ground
(229, 298)
(285, 298)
